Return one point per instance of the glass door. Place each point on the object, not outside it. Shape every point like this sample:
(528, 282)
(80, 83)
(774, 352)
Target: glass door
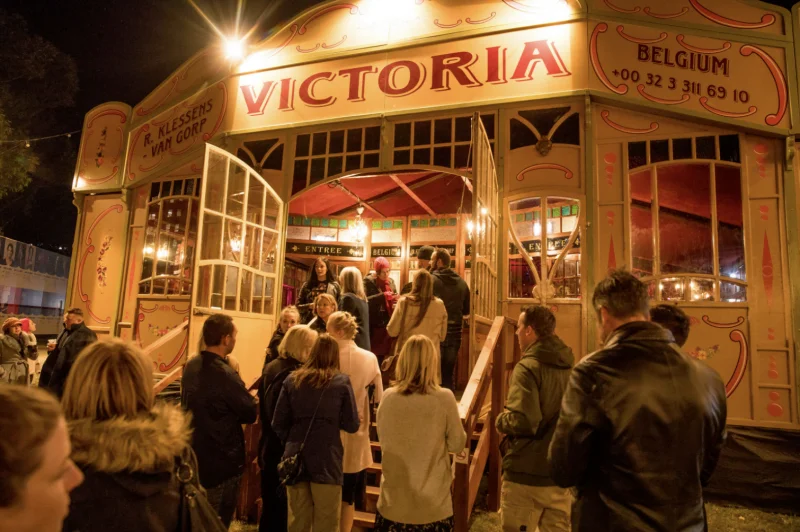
(239, 254)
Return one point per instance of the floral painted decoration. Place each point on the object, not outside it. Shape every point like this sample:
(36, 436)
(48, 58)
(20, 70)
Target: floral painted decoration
(704, 354)
(101, 267)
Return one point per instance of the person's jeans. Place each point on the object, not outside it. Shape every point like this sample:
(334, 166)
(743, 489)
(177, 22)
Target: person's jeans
(223, 498)
(448, 350)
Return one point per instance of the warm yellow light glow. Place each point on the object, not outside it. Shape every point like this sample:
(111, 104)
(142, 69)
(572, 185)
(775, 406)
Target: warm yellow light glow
(148, 250)
(384, 13)
(162, 253)
(677, 286)
(537, 229)
(483, 211)
(234, 49)
(236, 245)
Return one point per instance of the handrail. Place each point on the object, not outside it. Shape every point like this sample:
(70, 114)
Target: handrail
(174, 333)
(469, 466)
(168, 379)
(472, 401)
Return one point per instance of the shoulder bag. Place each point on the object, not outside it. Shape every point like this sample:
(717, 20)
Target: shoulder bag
(196, 514)
(289, 468)
(390, 363)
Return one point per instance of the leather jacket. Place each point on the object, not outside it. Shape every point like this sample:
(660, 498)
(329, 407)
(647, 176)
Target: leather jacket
(640, 432)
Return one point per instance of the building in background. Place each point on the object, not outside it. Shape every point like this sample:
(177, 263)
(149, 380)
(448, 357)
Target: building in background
(33, 284)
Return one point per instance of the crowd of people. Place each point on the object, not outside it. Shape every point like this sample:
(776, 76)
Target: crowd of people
(624, 440)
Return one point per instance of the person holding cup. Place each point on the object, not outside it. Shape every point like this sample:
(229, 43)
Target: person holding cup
(53, 346)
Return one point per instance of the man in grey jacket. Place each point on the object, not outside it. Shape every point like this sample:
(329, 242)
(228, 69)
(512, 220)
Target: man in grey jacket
(530, 498)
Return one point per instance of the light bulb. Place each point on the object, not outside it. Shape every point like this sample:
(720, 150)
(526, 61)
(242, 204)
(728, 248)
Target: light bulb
(234, 49)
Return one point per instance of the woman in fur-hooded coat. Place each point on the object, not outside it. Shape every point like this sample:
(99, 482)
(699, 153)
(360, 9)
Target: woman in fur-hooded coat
(128, 465)
(125, 444)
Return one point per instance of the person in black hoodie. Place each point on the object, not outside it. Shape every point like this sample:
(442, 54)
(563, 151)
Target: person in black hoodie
(78, 336)
(454, 292)
(293, 353)
(125, 444)
(530, 498)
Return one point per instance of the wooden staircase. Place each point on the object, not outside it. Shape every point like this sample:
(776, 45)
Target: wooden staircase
(490, 373)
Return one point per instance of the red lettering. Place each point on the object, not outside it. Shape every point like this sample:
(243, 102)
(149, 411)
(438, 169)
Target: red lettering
(456, 64)
(287, 95)
(307, 90)
(496, 65)
(357, 76)
(536, 52)
(387, 81)
(256, 104)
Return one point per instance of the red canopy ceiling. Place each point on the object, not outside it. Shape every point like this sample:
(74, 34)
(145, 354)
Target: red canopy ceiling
(442, 193)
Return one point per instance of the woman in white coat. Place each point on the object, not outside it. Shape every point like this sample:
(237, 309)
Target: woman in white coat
(365, 376)
(419, 313)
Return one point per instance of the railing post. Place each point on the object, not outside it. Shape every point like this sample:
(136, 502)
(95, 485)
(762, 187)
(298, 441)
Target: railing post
(461, 491)
(498, 400)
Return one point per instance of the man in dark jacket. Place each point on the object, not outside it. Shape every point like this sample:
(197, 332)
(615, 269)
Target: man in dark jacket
(424, 256)
(218, 400)
(530, 498)
(454, 292)
(641, 425)
(52, 354)
(78, 336)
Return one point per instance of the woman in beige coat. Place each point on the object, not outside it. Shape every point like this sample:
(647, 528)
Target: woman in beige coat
(419, 313)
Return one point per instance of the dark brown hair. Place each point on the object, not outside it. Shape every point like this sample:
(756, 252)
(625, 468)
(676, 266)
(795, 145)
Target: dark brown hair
(29, 417)
(215, 328)
(322, 365)
(672, 319)
(422, 294)
(540, 319)
(622, 295)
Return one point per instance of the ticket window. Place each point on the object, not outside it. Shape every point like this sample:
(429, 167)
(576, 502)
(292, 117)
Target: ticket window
(554, 220)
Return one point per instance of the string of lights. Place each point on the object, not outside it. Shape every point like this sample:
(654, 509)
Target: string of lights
(27, 142)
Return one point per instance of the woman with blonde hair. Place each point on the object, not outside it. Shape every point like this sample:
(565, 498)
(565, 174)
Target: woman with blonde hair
(354, 301)
(316, 402)
(419, 313)
(365, 376)
(124, 443)
(324, 306)
(293, 352)
(415, 486)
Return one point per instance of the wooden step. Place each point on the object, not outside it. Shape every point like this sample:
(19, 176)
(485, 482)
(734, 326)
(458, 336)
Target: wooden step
(373, 492)
(375, 468)
(364, 520)
(375, 446)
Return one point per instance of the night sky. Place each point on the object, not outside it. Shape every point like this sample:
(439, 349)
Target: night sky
(125, 48)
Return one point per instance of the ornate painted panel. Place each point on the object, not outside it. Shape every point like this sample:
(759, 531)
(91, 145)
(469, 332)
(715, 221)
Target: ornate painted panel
(716, 78)
(101, 156)
(100, 257)
(156, 318)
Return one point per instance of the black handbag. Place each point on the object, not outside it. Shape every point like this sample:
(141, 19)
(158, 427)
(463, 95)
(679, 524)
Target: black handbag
(289, 468)
(196, 514)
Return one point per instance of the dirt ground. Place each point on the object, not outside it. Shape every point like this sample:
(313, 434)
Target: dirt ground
(720, 519)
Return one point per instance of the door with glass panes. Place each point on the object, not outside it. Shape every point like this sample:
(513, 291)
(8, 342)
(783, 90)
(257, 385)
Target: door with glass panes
(545, 259)
(239, 253)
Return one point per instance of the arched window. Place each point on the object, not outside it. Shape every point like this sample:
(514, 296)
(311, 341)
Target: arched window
(686, 218)
(170, 238)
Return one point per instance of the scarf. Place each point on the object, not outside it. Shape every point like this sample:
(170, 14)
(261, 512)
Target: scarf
(386, 288)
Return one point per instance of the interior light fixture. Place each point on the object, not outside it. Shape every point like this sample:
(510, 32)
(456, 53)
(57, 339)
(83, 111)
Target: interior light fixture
(537, 229)
(359, 227)
(470, 228)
